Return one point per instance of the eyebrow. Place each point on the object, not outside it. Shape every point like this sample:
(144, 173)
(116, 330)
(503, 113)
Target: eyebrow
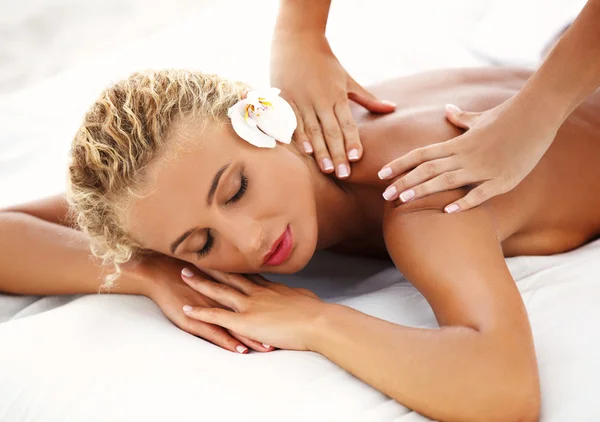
(209, 200)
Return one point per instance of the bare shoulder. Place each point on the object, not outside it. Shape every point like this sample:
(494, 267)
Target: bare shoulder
(387, 137)
(419, 119)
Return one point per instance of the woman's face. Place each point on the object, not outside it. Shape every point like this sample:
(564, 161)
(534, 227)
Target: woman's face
(220, 203)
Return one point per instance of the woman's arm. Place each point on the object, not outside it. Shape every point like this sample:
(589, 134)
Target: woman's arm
(42, 254)
(480, 364)
(571, 71)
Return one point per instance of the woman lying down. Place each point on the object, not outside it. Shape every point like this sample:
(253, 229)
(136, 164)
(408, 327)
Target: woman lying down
(177, 180)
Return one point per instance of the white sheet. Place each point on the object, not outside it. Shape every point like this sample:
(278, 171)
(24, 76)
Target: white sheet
(117, 358)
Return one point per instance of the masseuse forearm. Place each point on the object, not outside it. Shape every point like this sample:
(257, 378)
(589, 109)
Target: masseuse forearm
(42, 258)
(303, 16)
(571, 71)
(449, 374)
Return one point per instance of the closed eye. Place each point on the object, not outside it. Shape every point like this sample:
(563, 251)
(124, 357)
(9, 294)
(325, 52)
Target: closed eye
(240, 192)
(210, 240)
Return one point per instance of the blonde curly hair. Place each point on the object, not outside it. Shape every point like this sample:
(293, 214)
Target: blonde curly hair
(122, 133)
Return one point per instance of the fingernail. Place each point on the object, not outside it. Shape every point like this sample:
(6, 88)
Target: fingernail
(187, 308)
(266, 346)
(241, 349)
(353, 154)
(452, 108)
(451, 208)
(187, 272)
(327, 164)
(389, 103)
(390, 192)
(407, 195)
(343, 170)
(307, 147)
(385, 173)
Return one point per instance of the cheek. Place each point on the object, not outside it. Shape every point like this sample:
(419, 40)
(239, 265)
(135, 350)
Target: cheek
(294, 186)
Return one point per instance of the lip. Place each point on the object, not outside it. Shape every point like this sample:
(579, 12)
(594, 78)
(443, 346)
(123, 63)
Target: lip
(281, 249)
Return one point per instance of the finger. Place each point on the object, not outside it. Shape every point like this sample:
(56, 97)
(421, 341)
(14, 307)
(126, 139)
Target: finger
(335, 142)
(253, 344)
(428, 170)
(313, 130)
(459, 118)
(414, 158)
(217, 316)
(261, 281)
(258, 279)
(239, 282)
(215, 334)
(222, 293)
(345, 119)
(445, 181)
(300, 137)
(363, 97)
(475, 197)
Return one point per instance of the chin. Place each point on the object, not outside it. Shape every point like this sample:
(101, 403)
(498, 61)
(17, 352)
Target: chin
(300, 257)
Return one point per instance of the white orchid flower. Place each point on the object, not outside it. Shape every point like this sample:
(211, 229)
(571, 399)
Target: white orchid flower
(263, 118)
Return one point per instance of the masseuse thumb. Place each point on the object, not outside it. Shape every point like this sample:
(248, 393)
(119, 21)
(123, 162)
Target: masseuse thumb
(459, 118)
(363, 97)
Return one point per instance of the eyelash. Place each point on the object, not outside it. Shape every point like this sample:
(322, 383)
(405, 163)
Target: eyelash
(240, 192)
(210, 240)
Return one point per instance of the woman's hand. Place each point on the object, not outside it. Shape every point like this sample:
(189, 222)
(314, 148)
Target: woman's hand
(500, 148)
(171, 294)
(272, 313)
(319, 89)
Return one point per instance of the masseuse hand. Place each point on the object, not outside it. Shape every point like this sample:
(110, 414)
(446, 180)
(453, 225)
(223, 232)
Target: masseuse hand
(272, 313)
(501, 146)
(318, 88)
(165, 287)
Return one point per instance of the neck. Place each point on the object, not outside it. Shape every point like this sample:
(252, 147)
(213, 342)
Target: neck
(337, 210)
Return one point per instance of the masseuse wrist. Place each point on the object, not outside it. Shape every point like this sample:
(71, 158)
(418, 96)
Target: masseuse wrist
(299, 40)
(302, 17)
(543, 104)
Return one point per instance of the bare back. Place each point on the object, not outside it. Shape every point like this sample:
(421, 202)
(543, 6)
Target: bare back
(556, 208)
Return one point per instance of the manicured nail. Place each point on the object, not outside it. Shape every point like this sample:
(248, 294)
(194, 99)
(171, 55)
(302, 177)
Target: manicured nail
(451, 208)
(327, 164)
(407, 195)
(187, 272)
(307, 147)
(343, 170)
(266, 346)
(241, 349)
(385, 173)
(452, 108)
(187, 308)
(390, 192)
(353, 154)
(389, 103)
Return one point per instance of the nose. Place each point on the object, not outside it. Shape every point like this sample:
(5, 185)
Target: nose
(246, 234)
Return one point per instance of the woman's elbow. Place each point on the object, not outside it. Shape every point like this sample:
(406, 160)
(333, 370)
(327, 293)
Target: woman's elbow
(525, 405)
(518, 396)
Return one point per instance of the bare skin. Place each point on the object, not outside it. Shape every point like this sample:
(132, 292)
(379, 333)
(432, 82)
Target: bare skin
(556, 208)
(481, 361)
